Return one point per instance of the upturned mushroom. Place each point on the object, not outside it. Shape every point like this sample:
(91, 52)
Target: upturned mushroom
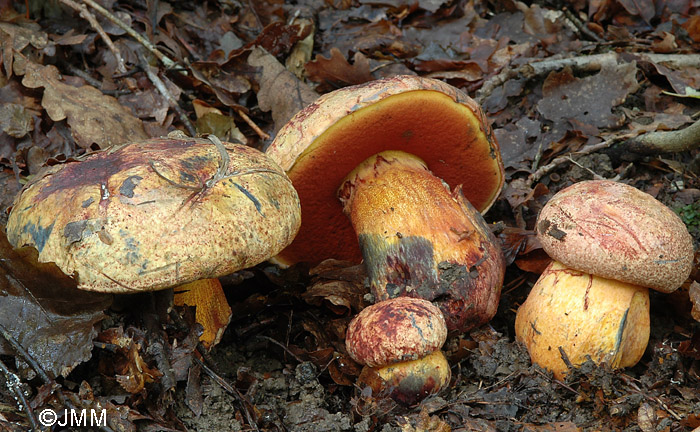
(610, 242)
(434, 134)
(399, 340)
(156, 214)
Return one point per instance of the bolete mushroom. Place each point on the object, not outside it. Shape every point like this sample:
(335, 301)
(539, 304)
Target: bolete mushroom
(419, 239)
(434, 133)
(156, 214)
(399, 340)
(326, 140)
(610, 242)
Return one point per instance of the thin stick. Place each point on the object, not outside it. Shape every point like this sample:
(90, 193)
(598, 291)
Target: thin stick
(581, 26)
(230, 389)
(169, 63)
(586, 63)
(90, 18)
(546, 169)
(163, 89)
(12, 382)
(252, 124)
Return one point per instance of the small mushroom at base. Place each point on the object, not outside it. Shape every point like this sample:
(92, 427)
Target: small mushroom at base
(399, 340)
(584, 316)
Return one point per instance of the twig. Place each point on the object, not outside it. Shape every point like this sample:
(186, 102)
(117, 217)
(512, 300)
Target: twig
(546, 169)
(163, 89)
(90, 18)
(169, 63)
(223, 163)
(586, 63)
(92, 81)
(230, 389)
(630, 382)
(252, 124)
(665, 141)
(581, 26)
(281, 345)
(12, 382)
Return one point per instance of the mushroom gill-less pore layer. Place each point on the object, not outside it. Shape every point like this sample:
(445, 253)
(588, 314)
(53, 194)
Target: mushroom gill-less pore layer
(149, 215)
(616, 231)
(583, 316)
(325, 141)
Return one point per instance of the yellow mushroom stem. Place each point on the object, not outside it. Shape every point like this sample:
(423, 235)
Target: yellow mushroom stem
(422, 240)
(212, 309)
(408, 382)
(584, 316)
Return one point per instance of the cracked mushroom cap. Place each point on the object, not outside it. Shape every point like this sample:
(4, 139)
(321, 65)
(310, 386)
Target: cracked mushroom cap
(158, 213)
(428, 118)
(616, 231)
(395, 330)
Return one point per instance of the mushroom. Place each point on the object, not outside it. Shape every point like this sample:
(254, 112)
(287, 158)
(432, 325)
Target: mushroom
(156, 214)
(326, 140)
(435, 133)
(399, 340)
(419, 239)
(610, 242)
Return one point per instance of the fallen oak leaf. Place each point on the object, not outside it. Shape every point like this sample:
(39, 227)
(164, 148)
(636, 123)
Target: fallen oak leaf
(93, 116)
(45, 312)
(280, 91)
(335, 71)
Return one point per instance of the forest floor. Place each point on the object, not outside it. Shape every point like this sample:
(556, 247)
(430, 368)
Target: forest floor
(564, 84)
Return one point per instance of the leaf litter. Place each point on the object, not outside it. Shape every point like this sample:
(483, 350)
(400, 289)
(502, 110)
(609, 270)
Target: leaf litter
(561, 87)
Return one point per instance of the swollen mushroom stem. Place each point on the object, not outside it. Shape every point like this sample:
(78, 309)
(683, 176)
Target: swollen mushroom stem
(419, 239)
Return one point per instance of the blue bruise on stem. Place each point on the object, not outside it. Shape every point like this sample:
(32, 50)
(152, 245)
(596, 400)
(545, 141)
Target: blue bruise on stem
(621, 330)
(250, 196)
(39, 234)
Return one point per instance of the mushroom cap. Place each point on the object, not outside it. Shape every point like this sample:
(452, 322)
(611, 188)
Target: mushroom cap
(140, 216)
(585, 315)
(322, 143)
(395, 330)
(618, 232)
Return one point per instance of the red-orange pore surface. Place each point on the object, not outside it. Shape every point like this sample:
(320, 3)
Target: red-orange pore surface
(446, 135)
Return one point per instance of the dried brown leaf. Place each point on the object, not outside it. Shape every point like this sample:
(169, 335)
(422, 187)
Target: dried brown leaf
(15, 120)
(45, 312)
(93, 116)
(643, 8)
(695, 299)
(589, 100)
(335, 71)
(280, 91)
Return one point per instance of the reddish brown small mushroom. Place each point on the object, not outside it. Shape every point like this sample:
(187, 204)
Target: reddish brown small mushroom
(399, 341)
(611, 242)
(322, 143)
